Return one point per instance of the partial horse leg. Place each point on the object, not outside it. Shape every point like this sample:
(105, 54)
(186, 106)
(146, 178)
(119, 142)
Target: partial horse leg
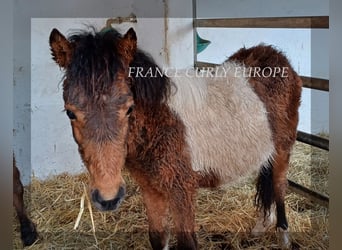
(183, 215)
(27, 228)
(265, 200)
(156, 208)
(265, 222)
(271, 190)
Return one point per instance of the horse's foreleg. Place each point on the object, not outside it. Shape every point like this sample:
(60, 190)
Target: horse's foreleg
(156, 208)
(183, 215)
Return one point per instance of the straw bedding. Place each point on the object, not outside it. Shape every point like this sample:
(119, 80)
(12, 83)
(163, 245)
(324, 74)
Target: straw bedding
(224, 217)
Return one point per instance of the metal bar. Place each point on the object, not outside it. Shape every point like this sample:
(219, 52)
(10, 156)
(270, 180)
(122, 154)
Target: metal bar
(194, 30)
(312, 22)
(314, 196)
(315, 83)
(313, 140)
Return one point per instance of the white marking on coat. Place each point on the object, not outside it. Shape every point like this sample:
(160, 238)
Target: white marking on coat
(227, 128)
(263, 224)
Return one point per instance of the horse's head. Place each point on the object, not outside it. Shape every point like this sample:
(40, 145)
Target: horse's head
(98, 102)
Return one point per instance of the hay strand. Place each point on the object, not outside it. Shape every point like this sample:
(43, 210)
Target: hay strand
(90, 212)
(81, 212)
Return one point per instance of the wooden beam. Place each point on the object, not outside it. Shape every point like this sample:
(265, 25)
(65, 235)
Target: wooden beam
(315, 83)
(311, 22)
(313, 140)
(315, 197)
(203, 65)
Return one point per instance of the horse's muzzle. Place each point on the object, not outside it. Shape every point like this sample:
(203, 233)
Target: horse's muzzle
(106, 205)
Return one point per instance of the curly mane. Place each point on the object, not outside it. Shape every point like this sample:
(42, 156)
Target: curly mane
(96, 61)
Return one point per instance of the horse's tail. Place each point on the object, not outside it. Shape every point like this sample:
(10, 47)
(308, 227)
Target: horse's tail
(264, 197)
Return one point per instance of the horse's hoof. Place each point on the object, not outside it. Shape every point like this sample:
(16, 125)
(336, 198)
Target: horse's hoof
(29, 234)
(284, 238)
(263, 224)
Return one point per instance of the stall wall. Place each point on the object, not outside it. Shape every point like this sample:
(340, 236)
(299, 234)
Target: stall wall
(43, 142)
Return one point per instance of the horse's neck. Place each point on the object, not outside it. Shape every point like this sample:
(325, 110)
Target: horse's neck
(140, 130)
(147, 123)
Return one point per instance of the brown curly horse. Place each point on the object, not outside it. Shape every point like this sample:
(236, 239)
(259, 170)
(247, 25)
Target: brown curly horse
(179, 133)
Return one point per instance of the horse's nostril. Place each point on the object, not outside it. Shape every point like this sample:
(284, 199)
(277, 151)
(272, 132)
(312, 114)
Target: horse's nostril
(121, 192)
(105, 205)
(95, 196)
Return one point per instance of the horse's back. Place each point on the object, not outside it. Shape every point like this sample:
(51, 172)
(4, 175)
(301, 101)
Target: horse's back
(228, 132)
(281, 92)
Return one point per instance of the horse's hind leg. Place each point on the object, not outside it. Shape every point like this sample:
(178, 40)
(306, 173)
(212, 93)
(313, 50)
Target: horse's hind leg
(271, 190)
(27, 228)
(264, 221)
(265, 200)
(281, 164)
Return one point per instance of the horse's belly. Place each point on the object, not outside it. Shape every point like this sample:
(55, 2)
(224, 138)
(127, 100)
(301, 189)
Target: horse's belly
(227, 128)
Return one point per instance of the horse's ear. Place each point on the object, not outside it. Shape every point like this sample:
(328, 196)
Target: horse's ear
(61, 48)
(128, 46)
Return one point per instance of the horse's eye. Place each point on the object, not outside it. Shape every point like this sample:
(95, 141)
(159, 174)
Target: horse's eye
(130, 109)
(71, 114)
